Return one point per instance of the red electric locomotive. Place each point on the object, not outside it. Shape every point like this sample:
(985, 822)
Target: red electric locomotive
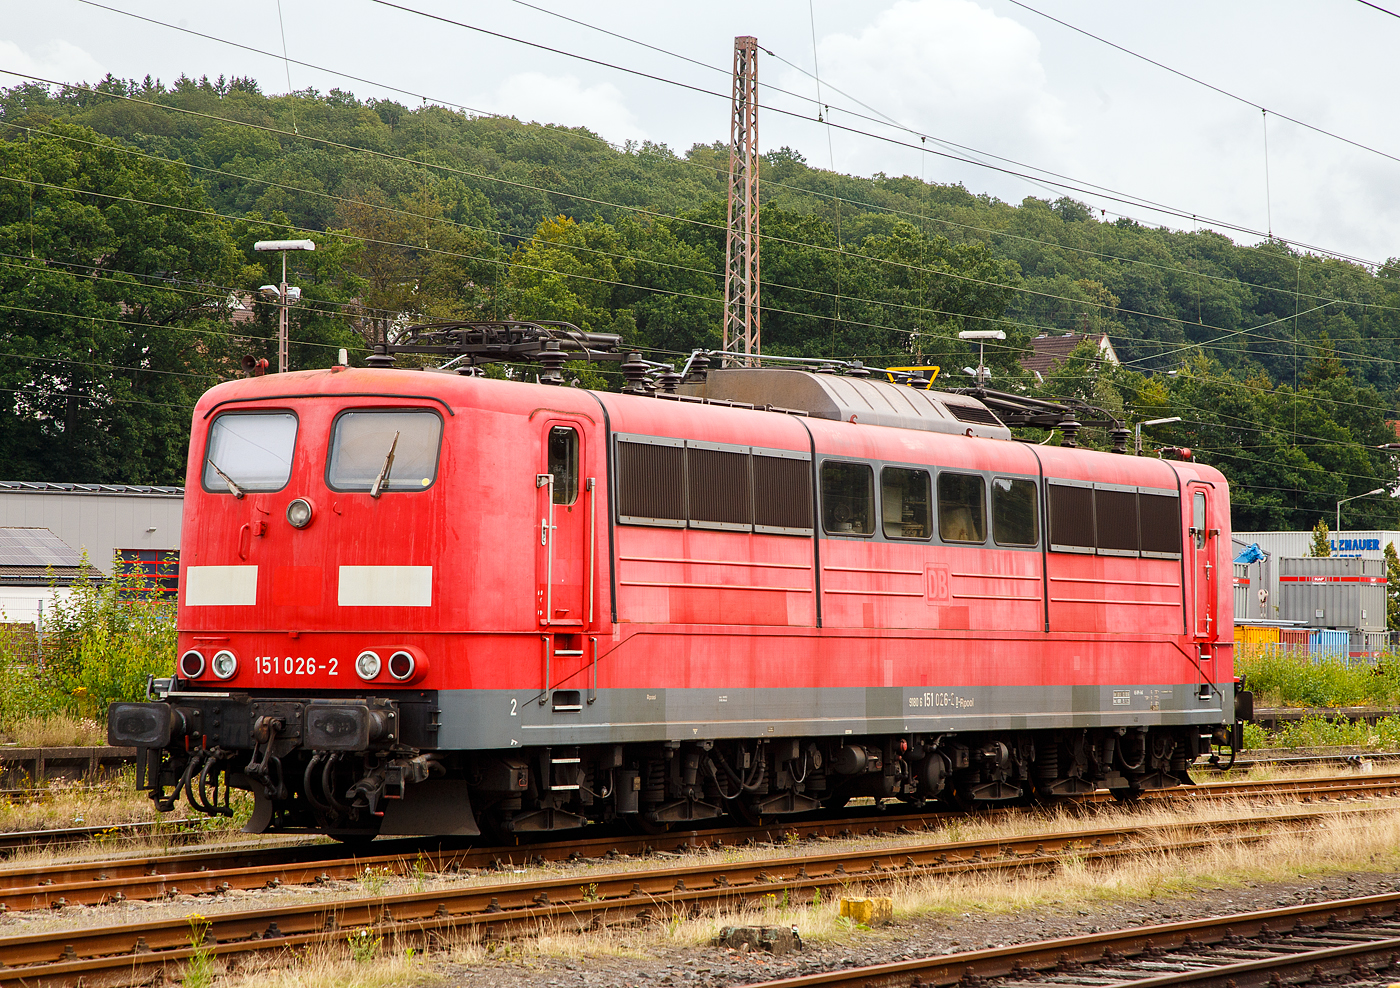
(428, 603)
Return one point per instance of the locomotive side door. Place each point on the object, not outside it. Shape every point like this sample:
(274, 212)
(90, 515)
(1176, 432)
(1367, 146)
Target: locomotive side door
(563, 534)
(1203, 550)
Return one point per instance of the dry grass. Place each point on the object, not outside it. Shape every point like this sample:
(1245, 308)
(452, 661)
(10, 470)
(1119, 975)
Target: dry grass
(56, 731)
(1368, 840)
(330, 966)
(1338, 844)
(63, 803)
(69, 803)
(1346, 840)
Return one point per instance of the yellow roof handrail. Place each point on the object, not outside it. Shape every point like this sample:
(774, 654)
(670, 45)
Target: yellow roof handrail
(913, 383)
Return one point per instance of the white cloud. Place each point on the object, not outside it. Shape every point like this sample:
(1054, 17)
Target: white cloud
(58, 60)
(534, 96)
(948, 68)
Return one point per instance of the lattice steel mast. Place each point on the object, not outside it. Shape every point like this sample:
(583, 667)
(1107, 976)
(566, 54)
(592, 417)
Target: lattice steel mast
(741, 283)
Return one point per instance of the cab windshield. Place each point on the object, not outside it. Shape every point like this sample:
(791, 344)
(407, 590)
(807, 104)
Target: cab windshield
(362, 443)
(252, 449)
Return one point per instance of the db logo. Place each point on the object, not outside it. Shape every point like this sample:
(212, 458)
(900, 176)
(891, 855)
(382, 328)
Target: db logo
(938, 583)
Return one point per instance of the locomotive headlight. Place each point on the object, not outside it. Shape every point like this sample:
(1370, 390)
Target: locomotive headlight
(192, 664)
(224, 664)
(368, 665)
(299, 513)
(402, 665)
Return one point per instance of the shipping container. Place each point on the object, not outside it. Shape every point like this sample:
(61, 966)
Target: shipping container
(1242, 592)
(1249, 634)
(1331, 592)
(1329, 644)
(1366, 544)
(1299, 637)
(1369, 644)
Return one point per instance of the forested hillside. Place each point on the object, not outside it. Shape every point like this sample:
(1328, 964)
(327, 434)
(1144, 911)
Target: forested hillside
(128, 213)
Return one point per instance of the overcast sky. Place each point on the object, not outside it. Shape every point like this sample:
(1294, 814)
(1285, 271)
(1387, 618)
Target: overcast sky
(985, 74)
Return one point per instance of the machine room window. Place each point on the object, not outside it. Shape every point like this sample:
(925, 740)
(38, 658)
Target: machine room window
(962, 513)
(384, 450)
(906, 502)
(1015, 513)
(563, 463)
(250, 451)
(848, 501)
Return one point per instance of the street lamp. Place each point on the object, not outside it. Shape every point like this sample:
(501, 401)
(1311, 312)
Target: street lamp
(282, 291)
(981, 336)
(1137, 431)
(1378, 490)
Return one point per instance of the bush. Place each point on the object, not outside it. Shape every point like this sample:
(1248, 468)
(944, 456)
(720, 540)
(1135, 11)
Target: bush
(1290, 680)
(102, 642)
(1318, 732)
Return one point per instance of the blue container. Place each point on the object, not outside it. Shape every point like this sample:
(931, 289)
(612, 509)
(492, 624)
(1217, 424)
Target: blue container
(1329, 644)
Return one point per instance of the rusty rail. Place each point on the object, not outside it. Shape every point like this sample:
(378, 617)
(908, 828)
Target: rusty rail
(134, 951)
(1373, 946)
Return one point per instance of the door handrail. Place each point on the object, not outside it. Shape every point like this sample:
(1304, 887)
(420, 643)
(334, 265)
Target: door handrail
(547, 540)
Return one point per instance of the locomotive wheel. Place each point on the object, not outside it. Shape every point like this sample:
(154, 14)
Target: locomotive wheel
(639, 824)
(745, 813)
(956, 797)
(353, 841)
(1127, 794)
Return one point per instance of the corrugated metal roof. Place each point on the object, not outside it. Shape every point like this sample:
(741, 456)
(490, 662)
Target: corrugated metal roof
(849, 399)
(48, 487)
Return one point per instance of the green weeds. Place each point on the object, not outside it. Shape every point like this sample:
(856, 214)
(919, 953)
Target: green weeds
(1282, 680)
(98, 646)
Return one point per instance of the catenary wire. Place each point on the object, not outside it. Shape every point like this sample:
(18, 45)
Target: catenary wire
(1008, 287)
(643, 211)
(771, 183)
(1067, 183)
(836, 250)
(844, 253)
(915, 333)
(1208, 85)
(1142, 202)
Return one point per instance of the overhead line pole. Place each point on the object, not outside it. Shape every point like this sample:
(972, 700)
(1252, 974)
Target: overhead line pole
(741, 282)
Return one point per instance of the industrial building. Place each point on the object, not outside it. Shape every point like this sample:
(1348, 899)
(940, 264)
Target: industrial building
(1334, 605)
(52, 535)
(1295, 545)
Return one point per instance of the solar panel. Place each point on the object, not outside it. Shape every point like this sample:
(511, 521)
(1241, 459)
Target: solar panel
(35, 547)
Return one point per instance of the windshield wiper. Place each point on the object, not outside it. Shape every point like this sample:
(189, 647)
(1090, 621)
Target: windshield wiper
(233, 488)
(383, 477)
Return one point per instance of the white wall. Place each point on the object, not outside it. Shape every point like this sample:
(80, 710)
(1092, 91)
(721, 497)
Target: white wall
(99, 522)
(21, 605)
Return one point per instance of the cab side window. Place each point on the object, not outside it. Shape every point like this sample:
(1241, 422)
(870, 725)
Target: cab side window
(848, 501)
(563, 463)
(962, 513)
(906, 504)
(1015, 513)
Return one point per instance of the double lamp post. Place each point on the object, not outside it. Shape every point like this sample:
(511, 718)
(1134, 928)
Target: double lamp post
(285, 296)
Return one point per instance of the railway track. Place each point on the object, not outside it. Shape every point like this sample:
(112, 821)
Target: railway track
(1356, 941)
(54, 885)
(13, 840)
(131, 952)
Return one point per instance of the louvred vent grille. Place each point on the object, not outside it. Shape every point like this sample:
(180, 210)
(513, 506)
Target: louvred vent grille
(973, 413)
